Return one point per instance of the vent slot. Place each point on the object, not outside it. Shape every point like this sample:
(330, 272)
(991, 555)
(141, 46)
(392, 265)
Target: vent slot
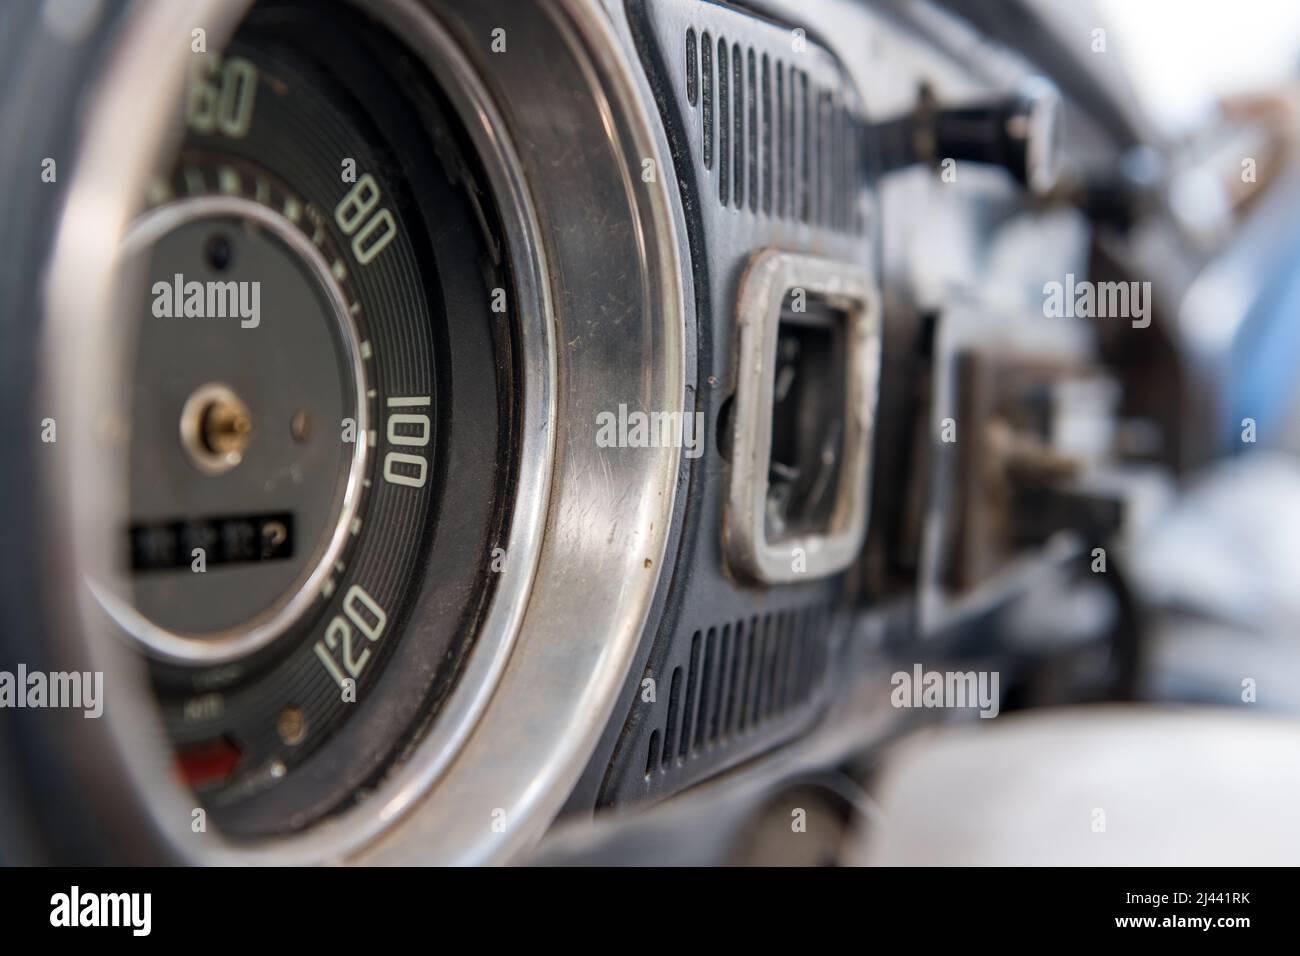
(670, 731)
(781, 124)
(738, 114)
(724, 124)
(706, 67)
(741, 677)
(805, 183)
(752, 90)
(692, 69)
(767, 136)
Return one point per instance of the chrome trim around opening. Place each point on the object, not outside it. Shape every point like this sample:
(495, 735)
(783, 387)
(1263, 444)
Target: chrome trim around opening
(850, 289)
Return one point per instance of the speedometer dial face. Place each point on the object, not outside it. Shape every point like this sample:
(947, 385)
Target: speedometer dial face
(322, 337)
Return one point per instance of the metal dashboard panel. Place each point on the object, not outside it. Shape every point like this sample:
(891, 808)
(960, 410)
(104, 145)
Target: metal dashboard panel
(766, 134)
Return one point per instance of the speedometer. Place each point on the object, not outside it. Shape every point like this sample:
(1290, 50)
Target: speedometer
(322, 314)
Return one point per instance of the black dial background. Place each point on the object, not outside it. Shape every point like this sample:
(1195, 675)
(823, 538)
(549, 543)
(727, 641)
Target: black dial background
(332, 85)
